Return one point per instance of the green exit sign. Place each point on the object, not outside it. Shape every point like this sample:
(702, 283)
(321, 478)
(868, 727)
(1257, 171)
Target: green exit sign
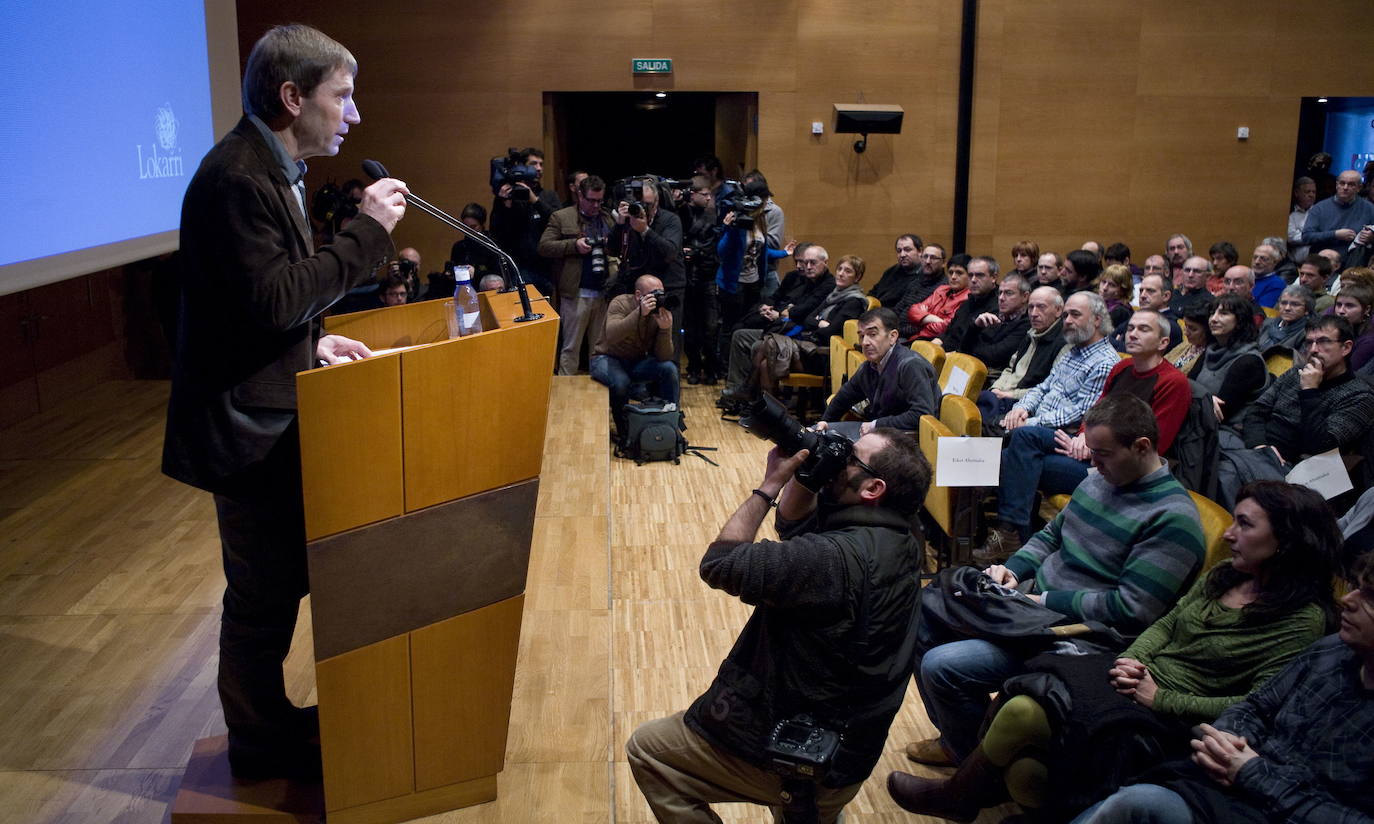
(651, 65)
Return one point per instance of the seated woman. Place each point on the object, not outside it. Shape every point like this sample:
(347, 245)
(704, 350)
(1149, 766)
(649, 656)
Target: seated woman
(805, 344)
(1285, 332)
(1231, 366)
(931, 316)
(1355, 303)
(1115, 287)
(1194, 324)
(1098, 719)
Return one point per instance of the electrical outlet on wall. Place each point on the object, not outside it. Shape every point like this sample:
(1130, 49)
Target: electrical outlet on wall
(817, 127)
(1243, 133)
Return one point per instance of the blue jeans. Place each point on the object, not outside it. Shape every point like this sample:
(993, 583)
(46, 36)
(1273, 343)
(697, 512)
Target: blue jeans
(1028, 463)
(954, 680)
(1138, 804)
(618, 374)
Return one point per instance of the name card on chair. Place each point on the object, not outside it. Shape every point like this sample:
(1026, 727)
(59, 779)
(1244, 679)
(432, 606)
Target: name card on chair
(964, 461)
(1324, 473)
(957, 381)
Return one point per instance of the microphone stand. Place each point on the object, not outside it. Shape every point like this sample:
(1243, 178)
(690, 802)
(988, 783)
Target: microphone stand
(507, 262)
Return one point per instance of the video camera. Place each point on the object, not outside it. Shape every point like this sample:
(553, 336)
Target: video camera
(509, 168)
(748, 205)
(767, 418)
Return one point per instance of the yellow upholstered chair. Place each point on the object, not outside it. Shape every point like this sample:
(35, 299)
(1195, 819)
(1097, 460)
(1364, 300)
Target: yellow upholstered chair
(934, 353)
(1214, 520)
(1278, 363)
(961, 416)
(873, 303)
(974, 368)
(851, 332)
(1270, 311)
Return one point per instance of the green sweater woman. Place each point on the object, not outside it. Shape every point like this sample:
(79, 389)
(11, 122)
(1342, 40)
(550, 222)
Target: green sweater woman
(1236, 627)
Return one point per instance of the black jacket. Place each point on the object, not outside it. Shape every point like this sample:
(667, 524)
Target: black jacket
(1043, 359)
(894, 284)
(832, 635)
(905, 390)
(957, 334)
(994, 345)
(250, 292)
(657, 252)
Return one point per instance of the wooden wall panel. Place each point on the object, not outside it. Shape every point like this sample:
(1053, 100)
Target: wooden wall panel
(1101, 119)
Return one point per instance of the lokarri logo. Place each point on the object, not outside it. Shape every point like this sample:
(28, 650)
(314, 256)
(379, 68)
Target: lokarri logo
(164, 155)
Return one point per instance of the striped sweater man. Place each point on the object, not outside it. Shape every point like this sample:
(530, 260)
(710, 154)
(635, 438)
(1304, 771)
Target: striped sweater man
(1121, 555)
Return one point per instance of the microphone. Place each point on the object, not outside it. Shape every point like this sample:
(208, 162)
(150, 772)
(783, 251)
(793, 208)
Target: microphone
(377, 171)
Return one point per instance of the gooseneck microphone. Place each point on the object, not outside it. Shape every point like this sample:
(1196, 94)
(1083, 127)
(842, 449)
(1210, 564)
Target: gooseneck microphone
(377, 171)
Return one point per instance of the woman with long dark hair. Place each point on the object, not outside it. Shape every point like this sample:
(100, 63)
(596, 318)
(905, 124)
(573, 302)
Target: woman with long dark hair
(1069, 736)
(1231, 367)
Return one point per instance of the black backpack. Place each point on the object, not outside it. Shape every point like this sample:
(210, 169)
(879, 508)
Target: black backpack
(652, 433)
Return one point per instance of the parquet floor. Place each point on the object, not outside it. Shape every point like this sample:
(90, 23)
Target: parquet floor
(110, 582)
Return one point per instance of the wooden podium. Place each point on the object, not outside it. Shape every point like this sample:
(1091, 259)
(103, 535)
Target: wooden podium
(420, 470)
(421, 474)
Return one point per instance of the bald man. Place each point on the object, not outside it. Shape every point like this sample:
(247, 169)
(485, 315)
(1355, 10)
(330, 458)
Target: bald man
(636, 344)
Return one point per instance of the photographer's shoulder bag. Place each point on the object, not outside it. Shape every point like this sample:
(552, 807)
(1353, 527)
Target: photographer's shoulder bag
(653, 432)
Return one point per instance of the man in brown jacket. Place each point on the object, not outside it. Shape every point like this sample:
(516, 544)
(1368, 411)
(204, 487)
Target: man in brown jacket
(576, 238)
(636, 344)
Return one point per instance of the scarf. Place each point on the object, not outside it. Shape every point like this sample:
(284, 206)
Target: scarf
(835, 298)
(1217, 360)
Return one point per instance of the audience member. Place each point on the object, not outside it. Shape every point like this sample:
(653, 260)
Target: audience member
(1268, 282)
(1119, 554)
(902, 275)
(1355, 303)
(1314, 273)
(995, 336)
(1284, 332)
(1024, 255)
(1079, 272)
(1115, 288)
(1285, 268)
(1304, 196)
(893, 388)
(1333, 223)
(1050, 459)
(635, 344)
(1121, 253)
(491, 283)
(1032, 362)
(981, 300)
(1194, 324)
(1154, 294)
(1047, 270)
(1095, 248)
(931, 317)
(1295, 750)
(1156, 265)
(1192, 286)
(393, 291)
(466, 252)
(1234, 630)
(1224, 255)
(932, 277)
(1231, 367)
(1177, 249)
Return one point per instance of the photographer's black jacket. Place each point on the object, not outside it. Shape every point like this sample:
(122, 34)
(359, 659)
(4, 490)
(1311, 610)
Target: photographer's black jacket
(832, 635)
(657, 252)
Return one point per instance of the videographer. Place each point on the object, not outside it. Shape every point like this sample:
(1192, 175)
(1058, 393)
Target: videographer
(576, 238)
(520, 211)
(835, 612)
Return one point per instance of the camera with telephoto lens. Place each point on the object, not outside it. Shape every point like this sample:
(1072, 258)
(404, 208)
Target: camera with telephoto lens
(800, 748)
(597, 254)
(767, 418)
(509, 168)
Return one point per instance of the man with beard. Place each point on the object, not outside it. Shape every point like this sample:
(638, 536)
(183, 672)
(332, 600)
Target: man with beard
(893, 388)
(898, 278)
(831, 638)
(1178, 248)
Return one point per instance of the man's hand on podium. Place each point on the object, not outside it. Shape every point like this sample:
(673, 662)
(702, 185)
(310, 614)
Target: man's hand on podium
(338, 349)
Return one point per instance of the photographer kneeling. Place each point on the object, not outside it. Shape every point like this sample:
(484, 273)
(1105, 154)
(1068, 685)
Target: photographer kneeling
(825, 655)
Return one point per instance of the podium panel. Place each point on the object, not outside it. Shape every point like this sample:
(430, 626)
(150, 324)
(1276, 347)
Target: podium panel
(365, 708)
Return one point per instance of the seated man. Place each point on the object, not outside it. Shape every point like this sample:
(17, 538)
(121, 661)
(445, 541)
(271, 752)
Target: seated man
(900, 276)
(1269, 282)
(1153, 292)
(982, 299)
(894, 387)
(636, 344)
(1120, 553)
(929, 318)
(1314, 273)
(1285, 330)
(995, 336)
(1028, 368)
(1317, 407)
(932, 276)
(1049, 459)
(1296, 750)
(830, 637)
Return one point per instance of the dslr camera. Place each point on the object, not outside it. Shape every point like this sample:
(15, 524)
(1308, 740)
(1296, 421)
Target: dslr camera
(800, 748)
(665, 301)
(508, 168)
(767, 418)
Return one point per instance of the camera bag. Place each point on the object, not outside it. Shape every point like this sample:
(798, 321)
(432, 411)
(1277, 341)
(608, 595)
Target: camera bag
(652, 433)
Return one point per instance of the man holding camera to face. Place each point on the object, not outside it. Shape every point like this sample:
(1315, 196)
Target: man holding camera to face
(820, 660)
(636, 344)
(648, 241)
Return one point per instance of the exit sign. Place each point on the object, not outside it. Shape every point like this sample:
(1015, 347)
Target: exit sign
(651, 65)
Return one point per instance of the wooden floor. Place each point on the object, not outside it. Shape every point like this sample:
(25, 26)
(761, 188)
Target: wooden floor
(109, 599)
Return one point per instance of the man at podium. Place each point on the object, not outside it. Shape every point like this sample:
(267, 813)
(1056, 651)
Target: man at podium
(251, 288)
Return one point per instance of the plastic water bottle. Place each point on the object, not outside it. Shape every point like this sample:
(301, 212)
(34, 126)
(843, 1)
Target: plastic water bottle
(465, 302)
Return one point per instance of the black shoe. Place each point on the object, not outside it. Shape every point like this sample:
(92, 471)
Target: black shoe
(294, 759)
(693, 378)
(709, 379)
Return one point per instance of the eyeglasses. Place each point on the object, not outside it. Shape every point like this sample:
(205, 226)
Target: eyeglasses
(1310, 342)
(806, 262)
(594, 199)
(854, 459)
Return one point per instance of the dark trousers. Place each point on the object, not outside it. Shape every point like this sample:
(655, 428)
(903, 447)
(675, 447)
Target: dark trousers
(732, 310)
(702, 327)
(262, 538)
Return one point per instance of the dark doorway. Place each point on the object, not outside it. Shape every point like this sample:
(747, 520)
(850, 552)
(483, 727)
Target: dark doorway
(1343, 127)
(618, 134)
